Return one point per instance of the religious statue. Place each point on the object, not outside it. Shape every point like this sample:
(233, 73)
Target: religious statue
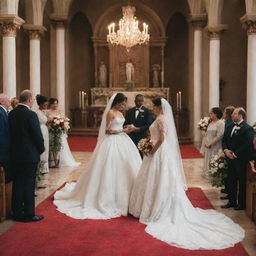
(156, 68)
(102, 75)
(129, 72)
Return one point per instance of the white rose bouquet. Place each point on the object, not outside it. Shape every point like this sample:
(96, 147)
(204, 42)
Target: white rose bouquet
(145, 145)
(203, 123)
(218, 170)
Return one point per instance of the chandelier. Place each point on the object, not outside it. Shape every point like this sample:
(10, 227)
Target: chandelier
(128, 33)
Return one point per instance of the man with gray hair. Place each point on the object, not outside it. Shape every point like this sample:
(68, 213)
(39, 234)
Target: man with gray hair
(5, 136)
(237, 146)
(26, 147)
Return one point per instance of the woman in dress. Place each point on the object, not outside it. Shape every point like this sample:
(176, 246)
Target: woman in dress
(104, 188)
(159, 200)
(212, 143)
(66, 157)
(42, 103)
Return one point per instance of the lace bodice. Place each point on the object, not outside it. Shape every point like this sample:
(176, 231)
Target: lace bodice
(156, 127)
(117, 123)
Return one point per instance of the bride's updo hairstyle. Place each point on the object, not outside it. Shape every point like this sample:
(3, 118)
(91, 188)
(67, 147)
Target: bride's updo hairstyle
(40, 99)
(157, 102)
(120, 97)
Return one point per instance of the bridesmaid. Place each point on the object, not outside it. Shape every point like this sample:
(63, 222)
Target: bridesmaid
(212, 142)
(42, 102)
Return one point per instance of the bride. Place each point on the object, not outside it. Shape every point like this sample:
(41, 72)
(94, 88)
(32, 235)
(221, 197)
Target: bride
(159, 200)
(103, 190)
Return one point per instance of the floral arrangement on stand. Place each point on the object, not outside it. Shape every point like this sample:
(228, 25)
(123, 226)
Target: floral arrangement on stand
(145, 146)
(203, 123)
(57, 127)
(218, 170)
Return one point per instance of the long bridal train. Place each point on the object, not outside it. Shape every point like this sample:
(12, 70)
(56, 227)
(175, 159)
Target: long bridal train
(159, 200)
(103, 190)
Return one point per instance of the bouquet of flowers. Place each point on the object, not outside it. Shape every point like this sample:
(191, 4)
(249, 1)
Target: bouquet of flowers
(218, 170)
(145, 145)
(57, 126)
(203, 123)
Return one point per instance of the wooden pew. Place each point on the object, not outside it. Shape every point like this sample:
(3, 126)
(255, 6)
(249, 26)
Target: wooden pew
(251, 194)
(2, 196)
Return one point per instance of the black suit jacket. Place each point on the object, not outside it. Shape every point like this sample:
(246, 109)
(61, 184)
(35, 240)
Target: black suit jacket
(143, 121)
(4, 137)
(27, 140)
(240, 142)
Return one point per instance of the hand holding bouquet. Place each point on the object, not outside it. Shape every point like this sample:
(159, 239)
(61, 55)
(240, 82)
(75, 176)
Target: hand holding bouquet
(145, 146)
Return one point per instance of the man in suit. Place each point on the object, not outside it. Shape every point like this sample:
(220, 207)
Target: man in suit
(141, 118)
(5, 104)
(237, 146)
(26, 147)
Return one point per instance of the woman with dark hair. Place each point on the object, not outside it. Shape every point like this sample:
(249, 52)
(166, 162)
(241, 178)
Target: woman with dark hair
(227, 115)
(66, 157)
(104, 188)
(212, 143)
(159, 199)
(42, 103)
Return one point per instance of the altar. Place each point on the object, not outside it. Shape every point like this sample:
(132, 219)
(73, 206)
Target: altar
(86, 118)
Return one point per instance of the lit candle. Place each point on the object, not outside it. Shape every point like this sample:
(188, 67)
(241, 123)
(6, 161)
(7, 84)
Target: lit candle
(109, 29)
(83, 100)
(177, 101)
(180, 100)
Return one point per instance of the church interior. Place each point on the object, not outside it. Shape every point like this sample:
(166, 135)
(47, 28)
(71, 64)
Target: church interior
(199, 54)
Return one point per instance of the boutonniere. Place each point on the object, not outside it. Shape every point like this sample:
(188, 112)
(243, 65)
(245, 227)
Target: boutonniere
(238, 128)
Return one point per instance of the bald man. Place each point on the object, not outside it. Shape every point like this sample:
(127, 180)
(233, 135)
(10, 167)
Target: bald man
(237, 144)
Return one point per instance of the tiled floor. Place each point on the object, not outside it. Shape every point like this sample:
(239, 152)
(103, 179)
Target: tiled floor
(193, 170)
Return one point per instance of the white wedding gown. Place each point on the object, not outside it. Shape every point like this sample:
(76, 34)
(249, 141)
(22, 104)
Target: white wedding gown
(104, 189)
(66, 157)
(159, 200)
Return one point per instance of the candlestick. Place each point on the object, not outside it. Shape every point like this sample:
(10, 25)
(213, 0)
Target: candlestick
(162, 79)
(80, 100)
(83, 100)
(180, 100)
(177, 102)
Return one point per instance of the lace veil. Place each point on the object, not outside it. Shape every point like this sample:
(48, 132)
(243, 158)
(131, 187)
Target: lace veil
(172, 140)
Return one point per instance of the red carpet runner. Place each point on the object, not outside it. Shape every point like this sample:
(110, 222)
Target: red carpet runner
(59, 235)
(87, 144)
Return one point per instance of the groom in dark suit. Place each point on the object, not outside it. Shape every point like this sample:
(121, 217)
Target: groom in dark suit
(5, 103)
(26, 146)
(140, 117)
(237, 146)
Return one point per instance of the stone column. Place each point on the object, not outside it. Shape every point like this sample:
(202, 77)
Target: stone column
(35, 33)
(9, 25)
(214, 65)
(198, 25)
(249, 23)
(60, 62)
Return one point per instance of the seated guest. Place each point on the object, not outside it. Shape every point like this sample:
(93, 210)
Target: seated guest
(4, 136)
(212, 142)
